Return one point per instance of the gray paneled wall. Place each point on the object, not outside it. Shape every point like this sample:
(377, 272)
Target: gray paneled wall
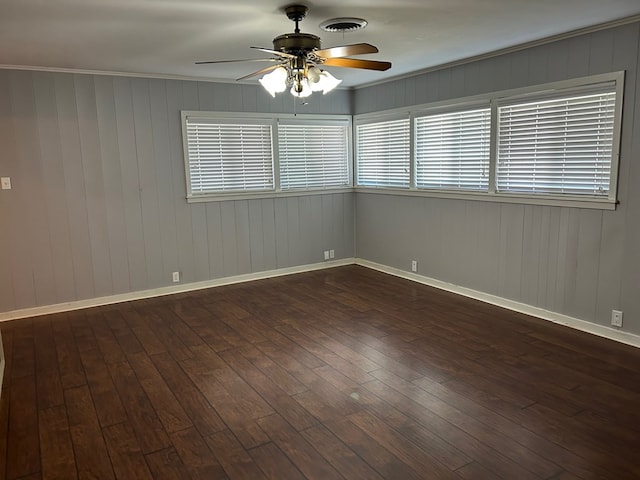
(577, 262)
(98, 201)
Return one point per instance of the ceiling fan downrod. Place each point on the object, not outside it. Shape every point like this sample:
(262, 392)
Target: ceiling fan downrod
(296, 13)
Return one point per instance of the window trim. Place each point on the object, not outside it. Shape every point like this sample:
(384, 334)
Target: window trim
(273, 120)
(494, 99)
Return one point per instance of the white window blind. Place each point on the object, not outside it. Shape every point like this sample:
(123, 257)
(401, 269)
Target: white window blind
(228, 157)
(452, 150)
(557, 145)
(313, 155)
(383, 158)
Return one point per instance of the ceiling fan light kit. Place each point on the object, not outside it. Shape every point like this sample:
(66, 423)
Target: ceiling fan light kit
(299, 57)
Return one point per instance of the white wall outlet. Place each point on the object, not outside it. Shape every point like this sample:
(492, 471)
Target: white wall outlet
(616, 318)
(175, 277)
(414, 265)
(5, 183)
(326, 254)
(332, 254)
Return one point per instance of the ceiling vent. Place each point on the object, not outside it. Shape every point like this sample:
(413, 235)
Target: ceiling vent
(343, 24)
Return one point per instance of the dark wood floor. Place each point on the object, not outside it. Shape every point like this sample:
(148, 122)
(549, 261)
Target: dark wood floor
(342, 373)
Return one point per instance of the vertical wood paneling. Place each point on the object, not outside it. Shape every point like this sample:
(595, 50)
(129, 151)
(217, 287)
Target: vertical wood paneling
(35, 247)
(457, 82)
(570, 257)
(615, 225)
(531, 254)
(215, 248)
(234, 97)
(338, 229)
(148, 182)
(486, 247)
(229, 235)
(538, 60)
(631, 267)
(349, 222)
(410, 91)
(249, 98)
(243, 240)
(579, 53)
(130, 183)
(431, 259)
(113, 190)
(164, 177)
(269, 234)
(557, 60)
(306, 227)
(206, 95)
(176, 101)
(589, 235)
(511, 250)
(315, 218)
(601, 52)
(327, 221)
(294, 252)
(256, 236)
(501, 69)
(94, 183)
(282, 238)
(75, 190)
(550, 279)
(519, 69)
(444, 83)
(54, 183)
(9, 211)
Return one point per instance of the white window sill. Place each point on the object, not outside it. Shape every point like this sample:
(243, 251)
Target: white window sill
(545, 200)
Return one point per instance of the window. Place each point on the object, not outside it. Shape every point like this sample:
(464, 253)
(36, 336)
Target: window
(383, 154)
(228, 157)
(557, 146)
(313, 155)
(238, 154)
(452, 150)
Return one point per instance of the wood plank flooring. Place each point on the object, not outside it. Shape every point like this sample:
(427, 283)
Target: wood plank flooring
(341, 373)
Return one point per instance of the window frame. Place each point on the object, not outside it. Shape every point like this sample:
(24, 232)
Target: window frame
(494, 99)
(273, 120)
(450, 109)
(322, 122)
(369, 120)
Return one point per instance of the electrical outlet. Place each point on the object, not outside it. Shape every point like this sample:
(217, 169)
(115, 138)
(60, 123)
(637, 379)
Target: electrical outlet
(414, 265)
(326, 254)
(176, 277)
(616, 318)
(332, 254)
(6, 183)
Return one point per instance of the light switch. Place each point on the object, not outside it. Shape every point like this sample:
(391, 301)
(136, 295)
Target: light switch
(5, 182)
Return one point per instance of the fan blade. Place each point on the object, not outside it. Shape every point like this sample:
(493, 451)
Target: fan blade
(264, 70)
(275, 52)
(241, 60)
(346, 50)
(357, 63)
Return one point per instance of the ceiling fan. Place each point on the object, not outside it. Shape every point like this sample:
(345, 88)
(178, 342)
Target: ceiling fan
(298, 58)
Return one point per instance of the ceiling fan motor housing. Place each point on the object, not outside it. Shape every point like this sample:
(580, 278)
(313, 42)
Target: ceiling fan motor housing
(296, 43)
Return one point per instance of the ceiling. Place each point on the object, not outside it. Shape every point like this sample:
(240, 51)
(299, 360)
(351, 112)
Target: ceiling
(166, 37)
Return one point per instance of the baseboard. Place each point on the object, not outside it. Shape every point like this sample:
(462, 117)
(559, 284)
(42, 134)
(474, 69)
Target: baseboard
(582, 325)
(158, 292)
